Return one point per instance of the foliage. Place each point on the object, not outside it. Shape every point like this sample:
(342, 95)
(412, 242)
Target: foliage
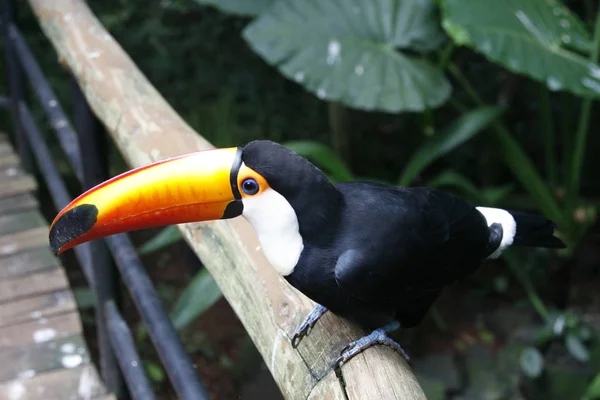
(198, 296)
(335, 169)
(166, 237)
(237, 7)
(457, 133)
(541, 39)
(347, 53)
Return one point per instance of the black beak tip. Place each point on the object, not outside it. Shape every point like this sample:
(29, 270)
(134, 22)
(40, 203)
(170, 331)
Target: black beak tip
(72, 224)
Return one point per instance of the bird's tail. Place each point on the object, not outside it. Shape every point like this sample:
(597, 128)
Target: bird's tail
(517, 228)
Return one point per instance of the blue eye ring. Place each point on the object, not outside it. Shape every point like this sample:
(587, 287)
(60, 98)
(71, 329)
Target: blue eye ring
(250, 186)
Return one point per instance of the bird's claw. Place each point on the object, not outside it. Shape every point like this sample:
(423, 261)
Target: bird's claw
(376, 337)
(306, 327)
(302, 331)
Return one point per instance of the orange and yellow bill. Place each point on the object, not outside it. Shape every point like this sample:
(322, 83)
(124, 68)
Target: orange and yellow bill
(194, 187)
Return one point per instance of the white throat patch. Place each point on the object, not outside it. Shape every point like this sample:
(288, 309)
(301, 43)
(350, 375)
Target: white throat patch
(276, 224)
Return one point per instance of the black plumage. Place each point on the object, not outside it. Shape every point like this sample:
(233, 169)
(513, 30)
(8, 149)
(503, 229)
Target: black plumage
(378, 253)
(393, 250)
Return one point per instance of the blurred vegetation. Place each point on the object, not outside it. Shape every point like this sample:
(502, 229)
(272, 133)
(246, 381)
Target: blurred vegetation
(493, 100)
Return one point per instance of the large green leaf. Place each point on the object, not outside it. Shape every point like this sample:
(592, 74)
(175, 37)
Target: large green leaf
(324, 157)
(345, 50)
(457, 133)
(531, 37)
(239, 7)
(200, 294)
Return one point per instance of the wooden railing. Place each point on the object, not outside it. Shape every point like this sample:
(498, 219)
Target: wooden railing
(145, 128)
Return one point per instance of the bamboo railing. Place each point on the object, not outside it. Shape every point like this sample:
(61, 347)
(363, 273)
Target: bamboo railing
(145, 129)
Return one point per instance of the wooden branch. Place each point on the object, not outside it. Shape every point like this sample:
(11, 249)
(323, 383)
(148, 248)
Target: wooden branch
(147, 129)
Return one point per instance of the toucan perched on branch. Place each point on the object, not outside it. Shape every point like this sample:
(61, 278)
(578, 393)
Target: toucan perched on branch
(376, 254)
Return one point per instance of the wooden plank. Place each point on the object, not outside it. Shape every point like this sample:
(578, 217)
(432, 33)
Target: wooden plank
(9, 159)
(5, 148)
(25, 240)
(18, 185)
(22, 221)
(18, 203)
(32, 308)
(27, 262)
(23, 362)
(12, 172)
(81, 383)
(35, 284)
(40, 330)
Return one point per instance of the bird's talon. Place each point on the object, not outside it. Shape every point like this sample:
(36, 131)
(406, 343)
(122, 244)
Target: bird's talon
(296, 340)
(347, 347)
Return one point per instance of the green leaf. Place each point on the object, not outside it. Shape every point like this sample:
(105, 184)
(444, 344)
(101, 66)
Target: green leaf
(576, 348)
(494, 195)
(593, 390)
(451, 178)
(532, 362)
(346, 51)
(239, 7)
(200, 294)
(457, 133)
(525, 171)
(155, 371)
(164, 238)
(530, 37)
(323, 156)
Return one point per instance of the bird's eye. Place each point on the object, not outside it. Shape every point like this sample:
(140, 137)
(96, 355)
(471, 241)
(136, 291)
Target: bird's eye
(250, 186)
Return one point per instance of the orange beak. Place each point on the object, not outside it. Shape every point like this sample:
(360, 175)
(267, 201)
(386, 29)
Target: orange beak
(194, 187)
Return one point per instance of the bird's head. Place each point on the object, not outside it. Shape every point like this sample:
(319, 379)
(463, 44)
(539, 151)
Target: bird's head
(283, 196)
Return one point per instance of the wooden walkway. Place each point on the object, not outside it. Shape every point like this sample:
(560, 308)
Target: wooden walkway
(43, 354)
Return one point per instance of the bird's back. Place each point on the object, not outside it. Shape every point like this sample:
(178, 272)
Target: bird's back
(415, 241)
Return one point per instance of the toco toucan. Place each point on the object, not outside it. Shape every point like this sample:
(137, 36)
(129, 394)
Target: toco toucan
(373, 253)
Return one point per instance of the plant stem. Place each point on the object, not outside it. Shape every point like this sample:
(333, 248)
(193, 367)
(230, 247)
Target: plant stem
(581, 136)
(466, 85)
(446, 54)
(548, 126)
(340, 130)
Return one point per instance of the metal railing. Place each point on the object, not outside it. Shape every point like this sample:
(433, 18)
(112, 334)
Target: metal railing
(120, 364)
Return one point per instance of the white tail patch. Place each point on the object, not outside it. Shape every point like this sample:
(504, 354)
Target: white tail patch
(508, 223)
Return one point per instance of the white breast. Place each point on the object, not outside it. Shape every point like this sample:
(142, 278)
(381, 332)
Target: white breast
(276, 224)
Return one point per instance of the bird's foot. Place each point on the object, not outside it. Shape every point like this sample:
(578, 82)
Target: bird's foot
(306, 326)
(378, 336)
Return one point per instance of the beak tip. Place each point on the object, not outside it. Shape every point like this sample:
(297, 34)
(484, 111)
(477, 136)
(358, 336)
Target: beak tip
(71, 225)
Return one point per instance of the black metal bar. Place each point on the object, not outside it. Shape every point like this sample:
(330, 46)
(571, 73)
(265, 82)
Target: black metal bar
(58, 120)
(105, 274)
(5, 102)
(15, 79)
(56, 186)
(160, 329)
(129, 360)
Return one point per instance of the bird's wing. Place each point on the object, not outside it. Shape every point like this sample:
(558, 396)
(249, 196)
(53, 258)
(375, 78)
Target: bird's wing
(437, 239)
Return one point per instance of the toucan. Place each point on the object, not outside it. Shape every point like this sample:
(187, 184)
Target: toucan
(373, 253)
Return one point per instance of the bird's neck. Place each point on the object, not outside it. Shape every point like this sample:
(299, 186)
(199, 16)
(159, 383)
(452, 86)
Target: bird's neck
(319, 215)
